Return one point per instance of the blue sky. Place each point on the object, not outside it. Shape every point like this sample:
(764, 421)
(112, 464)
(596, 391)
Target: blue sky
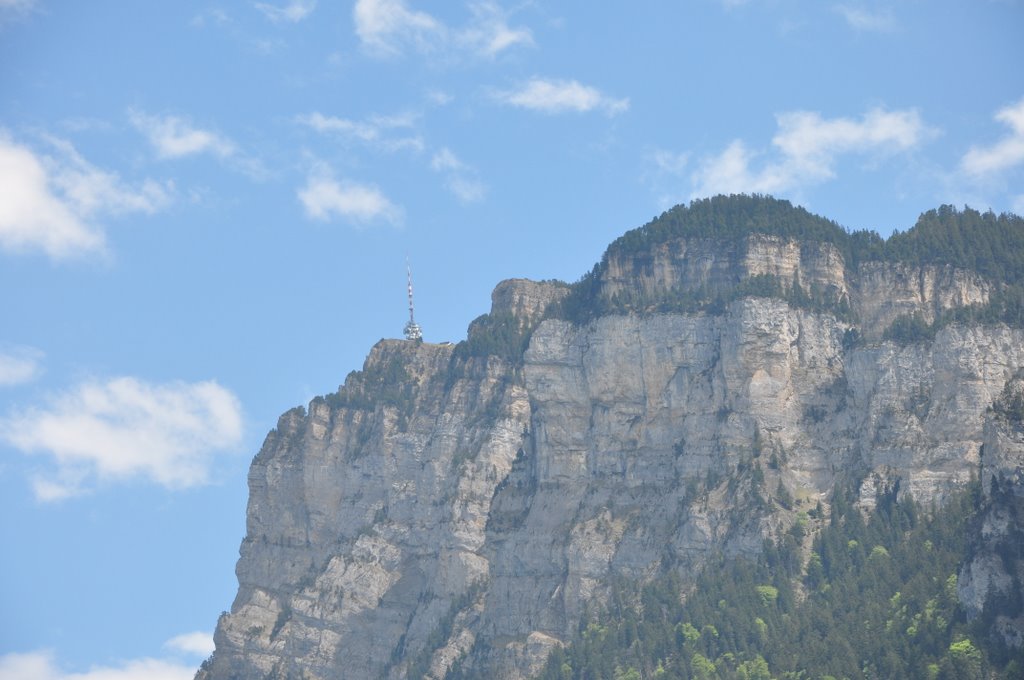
(206, 210)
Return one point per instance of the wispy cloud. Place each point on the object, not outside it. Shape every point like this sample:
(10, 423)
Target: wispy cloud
(1004, 154)
(173, 137)
(387, 28)
(198, 644)
(42, 665)
(343, 126)
(292, 12)
(862, 19)
(50, 199)
(807, 149)
(461, 179)
(323, 197)
(19, 365)
(124, 429)
(561, 96)
(374, 131)
(90, 190)
(489, 33)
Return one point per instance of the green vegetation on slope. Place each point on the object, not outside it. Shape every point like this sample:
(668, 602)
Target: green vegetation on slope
(986, 243)
(990, 244)
(875, 599)
(499, 334)
(707, 299)
(386, 382)
(730, 218)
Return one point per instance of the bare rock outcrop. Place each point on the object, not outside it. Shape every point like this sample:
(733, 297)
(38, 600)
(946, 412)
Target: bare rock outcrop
(990, 581)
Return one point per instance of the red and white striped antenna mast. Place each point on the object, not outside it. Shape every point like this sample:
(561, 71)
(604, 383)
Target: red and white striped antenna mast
(412, 329)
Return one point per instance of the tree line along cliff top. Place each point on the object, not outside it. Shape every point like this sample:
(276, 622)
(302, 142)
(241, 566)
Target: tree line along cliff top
(989, 244)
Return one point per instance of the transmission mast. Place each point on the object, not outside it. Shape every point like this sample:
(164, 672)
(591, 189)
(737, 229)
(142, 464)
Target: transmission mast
(412, 329)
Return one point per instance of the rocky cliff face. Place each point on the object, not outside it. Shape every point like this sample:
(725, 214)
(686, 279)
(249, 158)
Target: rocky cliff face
(445, 510)
(877, 292)
(689, 263)
(990, 582)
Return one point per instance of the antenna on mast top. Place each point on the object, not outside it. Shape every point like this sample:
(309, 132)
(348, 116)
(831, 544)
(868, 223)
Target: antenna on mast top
(412, 329)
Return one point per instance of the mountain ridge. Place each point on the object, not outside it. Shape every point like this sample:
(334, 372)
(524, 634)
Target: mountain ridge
(466, 505)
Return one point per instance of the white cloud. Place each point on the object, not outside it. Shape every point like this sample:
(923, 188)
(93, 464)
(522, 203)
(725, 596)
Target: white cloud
(41, 665)
(861, 19)
(90, 190)
(124, 429)
(198, 644)
(445, 160)
(813, 142)
(372, 131)
(32, 217)
(344, 126)
(729, 173)
(460, 178)
(294, 11)
(406, 119)
(466, 188)
(561, 96)
(323, 197)
(50, 199)
(386, 26)
(19, 365)
(489, 33)
(1005, 153)
(808, 148)
(174, 137)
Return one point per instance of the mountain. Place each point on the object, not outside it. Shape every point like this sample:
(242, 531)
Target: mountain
(736, 368)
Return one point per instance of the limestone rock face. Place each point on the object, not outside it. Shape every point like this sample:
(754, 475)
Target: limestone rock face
(526, 300)
(353, 552)
(443, 510)
(877, 292)
(887, 290)
(994, 573)
(688, 264)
